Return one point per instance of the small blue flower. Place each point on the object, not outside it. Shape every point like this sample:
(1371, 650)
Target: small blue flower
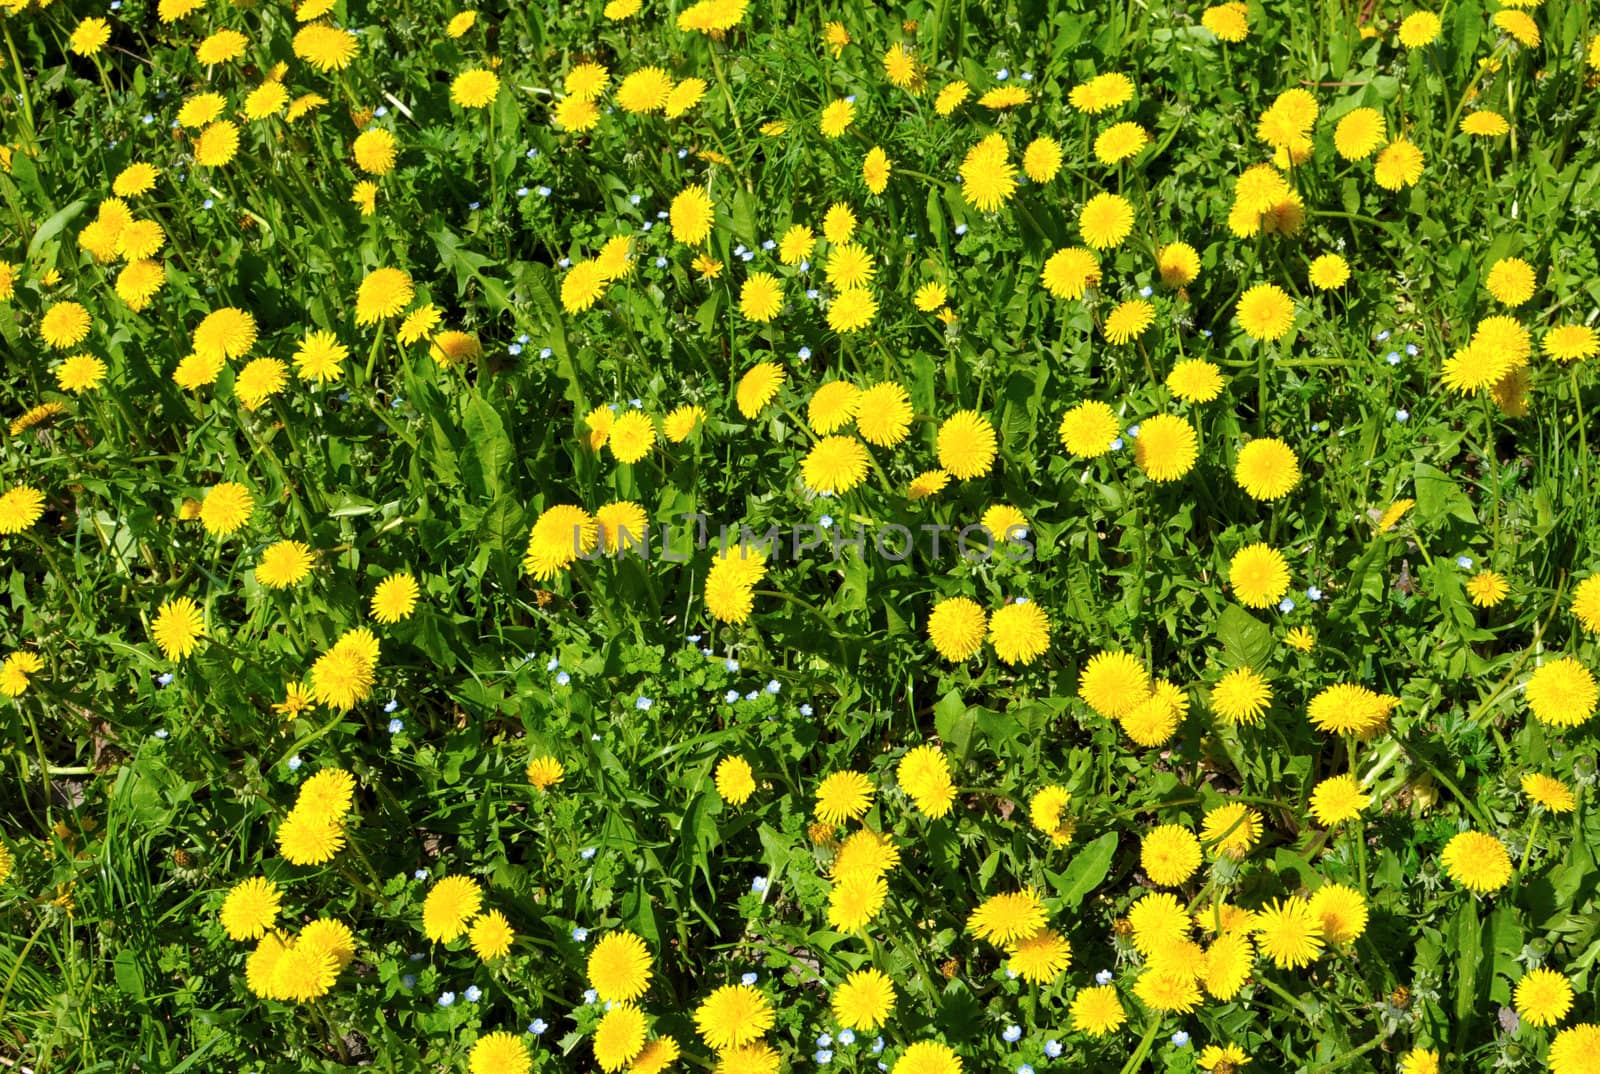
(562, 678)
(1012, 1034)
(804, 354)
(390, 705)
(661, 262)
(731, 696)
(812, 293)
(768, 244)
(805, 710)
(643, 703)
(824, 1040)
(207, 204)
(749, 978)
(1286, 605)
(1027, 76)
(1052, 1048)
(475, 206)
(1146, 291)
(1025, 1069)
(545, 352)
(161, 732)
(826, 522)
(554, 663)
(473, 993)
(530, 154)
(1002, 74)
(417, 956)
(295, 762)
(408, 982)
(738, 250)
(731, 664)
(1181, 1039)
(805, 266)
(647, 225)
(851, 98)
(1104, 977)
(758, 884)
(1116, 445)
(1393, 357)
(961, 229)
(565, 262)
(1464, 562)
(590, 995)
(1412, 349)
(752, 695)
(420, 874)
(538, 1026)
(661, 215)
(522, 191)
(823, 1056)
(682, 153)
(587, 854)
(544, 191)
(446, 998)
(1313, 594)
(634, 199)
(381, 111)
(147, 119)
(396, 725)
(581, 934)
(514, 349)
(1133, 431)
(693, 639)
(877, 1045)
(1206, 332)
(772, 686)
(637, 404)
(847, 1036)
(1402, 416)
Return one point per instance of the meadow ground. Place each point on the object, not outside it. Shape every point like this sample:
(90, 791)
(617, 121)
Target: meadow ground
(1030, 536)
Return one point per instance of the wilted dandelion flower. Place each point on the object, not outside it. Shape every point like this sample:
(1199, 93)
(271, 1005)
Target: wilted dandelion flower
(1071, 272)
(1543, 997)
(1169, 855)
(1105, 221)
(1241, 696)
(1477, 861)
(384, 293)
(1041, 160)
(1008, 918)
(660, 1053)
(1128, 321)
(1511, 281)
(283, 564)
(1399, 165)
(1550, 793)
(864, 1000)
(843, 796)
(966, 444)
(733, 1015)
(1289, 933)
(1020, 632)
(475, 88)
(1097, 1011)
(1166, 447)
(226, 508)
(1562, 693)
(250, 909)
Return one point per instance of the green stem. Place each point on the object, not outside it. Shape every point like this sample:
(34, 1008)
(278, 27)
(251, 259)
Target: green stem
(1139, 1053)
